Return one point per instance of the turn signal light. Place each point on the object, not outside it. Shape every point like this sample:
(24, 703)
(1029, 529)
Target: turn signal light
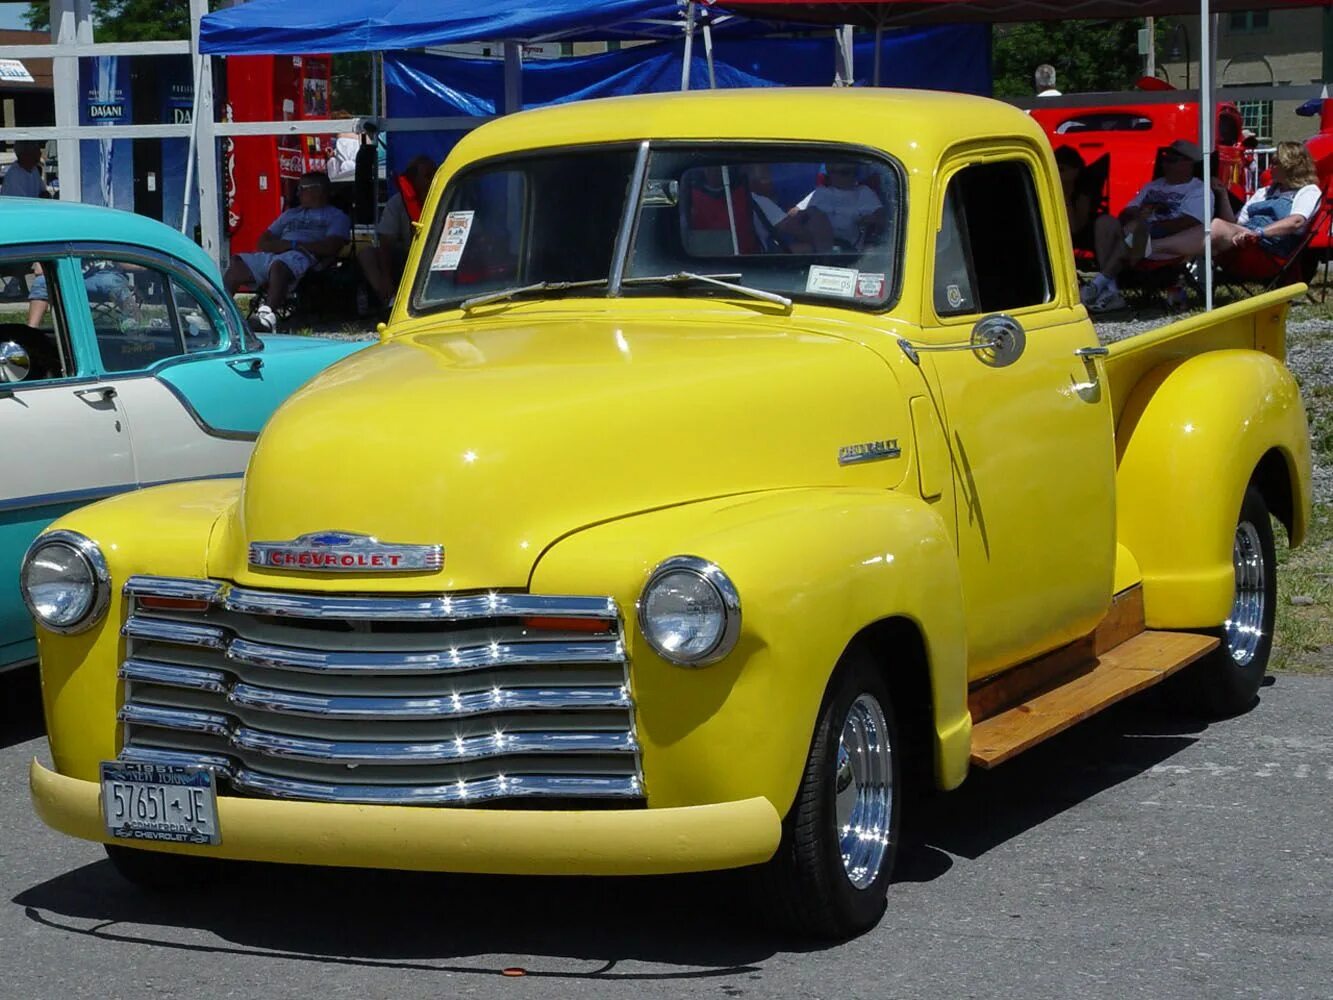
(173, 603)
(569, 624)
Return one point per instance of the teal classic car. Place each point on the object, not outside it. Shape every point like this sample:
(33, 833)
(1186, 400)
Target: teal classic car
(122, 365)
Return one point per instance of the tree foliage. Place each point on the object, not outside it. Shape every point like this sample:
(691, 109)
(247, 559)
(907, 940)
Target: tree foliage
(1087, 55)
(125, 20)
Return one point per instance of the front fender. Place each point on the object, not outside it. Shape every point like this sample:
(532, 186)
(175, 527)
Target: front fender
(813, 567)
(1191, 437)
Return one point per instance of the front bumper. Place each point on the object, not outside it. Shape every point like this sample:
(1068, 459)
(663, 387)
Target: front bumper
(420, 838)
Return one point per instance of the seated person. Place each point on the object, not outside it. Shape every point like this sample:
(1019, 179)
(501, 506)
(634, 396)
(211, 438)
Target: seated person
(298, 239)
(105, 282)
(1163, 221)
(841, 213)
(1087, 228)
(711, 229)
(383, 264)
(1275, 217)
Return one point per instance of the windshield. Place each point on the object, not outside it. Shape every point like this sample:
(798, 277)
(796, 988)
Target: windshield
(806, 223)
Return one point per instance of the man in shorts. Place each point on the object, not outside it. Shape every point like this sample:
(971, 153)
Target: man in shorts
(297, 240)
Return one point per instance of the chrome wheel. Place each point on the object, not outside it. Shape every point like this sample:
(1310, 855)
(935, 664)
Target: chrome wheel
(863, 790)
(1245, 626)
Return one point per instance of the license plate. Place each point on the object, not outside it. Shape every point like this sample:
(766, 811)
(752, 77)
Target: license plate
(162, 802)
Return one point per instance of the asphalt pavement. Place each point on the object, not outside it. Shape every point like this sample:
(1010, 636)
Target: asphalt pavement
(1138, 855)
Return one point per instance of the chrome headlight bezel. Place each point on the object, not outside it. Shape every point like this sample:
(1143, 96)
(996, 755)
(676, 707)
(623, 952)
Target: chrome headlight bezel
(86, 550)
(711, 575)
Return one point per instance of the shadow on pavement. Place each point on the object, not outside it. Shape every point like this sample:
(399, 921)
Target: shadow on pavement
(20, 707)
(701, 926)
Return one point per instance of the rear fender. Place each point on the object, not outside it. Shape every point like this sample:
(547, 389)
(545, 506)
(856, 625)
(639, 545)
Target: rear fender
(813, 569)
(1191, 438)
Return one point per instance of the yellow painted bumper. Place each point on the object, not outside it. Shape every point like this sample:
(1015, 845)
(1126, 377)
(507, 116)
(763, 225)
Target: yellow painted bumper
(493, 841)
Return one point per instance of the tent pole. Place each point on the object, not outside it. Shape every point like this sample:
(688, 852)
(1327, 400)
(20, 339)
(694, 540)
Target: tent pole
(689, 46)
(211, 234)
(731, 211)
(708, 54)
(513, 77)
(879, 41)
(1206, 116)
(194, 140)
(843, 73)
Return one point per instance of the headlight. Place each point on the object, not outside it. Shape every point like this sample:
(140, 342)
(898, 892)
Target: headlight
(690, 612)
(65, 581)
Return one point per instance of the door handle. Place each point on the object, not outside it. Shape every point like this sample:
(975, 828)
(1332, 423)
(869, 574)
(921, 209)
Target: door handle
(97, 394)
(1088, 353)
(245, 364)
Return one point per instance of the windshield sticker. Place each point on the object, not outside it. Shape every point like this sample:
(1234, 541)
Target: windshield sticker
(869, 285)
(457, 226)
(823, 280)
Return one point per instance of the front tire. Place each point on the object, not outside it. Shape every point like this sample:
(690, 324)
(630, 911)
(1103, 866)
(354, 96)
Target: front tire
(830, 875)
(1226, 682)
(158, 871)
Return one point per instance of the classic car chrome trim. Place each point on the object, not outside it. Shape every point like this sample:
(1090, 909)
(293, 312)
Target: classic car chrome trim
(211, 723)
(462, 748)
(628, 218)
(137, 754)
(444, 707)
(198, 419)
(179, 633)
(453, 660)
(476, 790)
(168, 586)
(430, 608)
(92, 555)
(870, 451)
(193, 678)
(98, 492)
(333, 551)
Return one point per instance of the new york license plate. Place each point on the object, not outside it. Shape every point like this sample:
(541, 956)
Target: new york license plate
(162, 802)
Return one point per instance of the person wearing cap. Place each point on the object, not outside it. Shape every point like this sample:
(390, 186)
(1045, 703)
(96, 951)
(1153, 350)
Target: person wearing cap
(1164, 220)
(24, 178)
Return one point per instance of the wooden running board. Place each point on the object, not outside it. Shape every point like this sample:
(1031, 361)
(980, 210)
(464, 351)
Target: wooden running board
(1033, 702)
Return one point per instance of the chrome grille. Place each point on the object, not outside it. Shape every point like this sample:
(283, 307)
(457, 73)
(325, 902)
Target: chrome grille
(425, 700)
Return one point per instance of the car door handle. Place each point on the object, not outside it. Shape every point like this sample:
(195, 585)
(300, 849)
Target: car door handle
(1092, 352)
(97, 394)
(245, 364)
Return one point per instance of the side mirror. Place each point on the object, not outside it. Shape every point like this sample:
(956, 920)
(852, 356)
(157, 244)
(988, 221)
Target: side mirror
(15, 364)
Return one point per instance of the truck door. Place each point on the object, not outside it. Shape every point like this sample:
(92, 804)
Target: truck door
(1029, 429)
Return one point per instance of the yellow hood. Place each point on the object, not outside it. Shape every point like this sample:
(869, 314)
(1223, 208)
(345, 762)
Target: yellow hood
(496, 439)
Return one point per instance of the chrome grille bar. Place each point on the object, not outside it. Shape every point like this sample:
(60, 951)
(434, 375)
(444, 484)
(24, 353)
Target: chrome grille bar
(191, 678)
(450, 707)
(176, 718)
(455, 659)
(177, 633)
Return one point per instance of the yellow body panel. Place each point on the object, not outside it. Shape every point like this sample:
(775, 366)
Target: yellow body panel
(568, 446)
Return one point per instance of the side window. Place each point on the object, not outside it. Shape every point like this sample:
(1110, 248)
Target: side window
(32, 320)
(141, 316)
(990, 254)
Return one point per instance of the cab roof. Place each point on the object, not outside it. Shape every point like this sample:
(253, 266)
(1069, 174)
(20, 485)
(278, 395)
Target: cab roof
(913, 125)
(40, 220)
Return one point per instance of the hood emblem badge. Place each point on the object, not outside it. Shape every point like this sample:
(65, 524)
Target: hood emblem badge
(871, 451)
(345, 552)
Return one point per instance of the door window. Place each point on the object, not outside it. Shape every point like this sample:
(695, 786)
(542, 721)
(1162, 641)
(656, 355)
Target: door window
(31, 317)
(990, 254)
(141, 316)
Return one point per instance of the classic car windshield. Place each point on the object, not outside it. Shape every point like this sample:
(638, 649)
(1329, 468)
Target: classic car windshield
(802, 222)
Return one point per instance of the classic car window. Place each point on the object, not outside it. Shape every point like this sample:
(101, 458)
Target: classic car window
(30, 316)
(141, 316)
(819, 223)
(990, 253)
(1107, 121)
(535, 219)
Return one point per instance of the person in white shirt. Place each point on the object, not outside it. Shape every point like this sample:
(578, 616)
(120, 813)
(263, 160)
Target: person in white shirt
(844, 209)
(1277, 216)
(1044, 78)
(297, 240)
(24, 178)
(1163, 221)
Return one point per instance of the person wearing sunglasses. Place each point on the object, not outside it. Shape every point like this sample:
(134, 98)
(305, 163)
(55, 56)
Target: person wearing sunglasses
(297, 240)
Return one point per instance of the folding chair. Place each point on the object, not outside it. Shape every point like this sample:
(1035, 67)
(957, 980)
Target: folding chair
(1252, 266)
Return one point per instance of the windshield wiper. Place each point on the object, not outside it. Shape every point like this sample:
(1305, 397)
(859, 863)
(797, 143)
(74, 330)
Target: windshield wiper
(505, 294)
(727, 281)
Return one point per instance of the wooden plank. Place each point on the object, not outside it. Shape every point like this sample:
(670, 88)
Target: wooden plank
(1140, 662)
(1021, 683)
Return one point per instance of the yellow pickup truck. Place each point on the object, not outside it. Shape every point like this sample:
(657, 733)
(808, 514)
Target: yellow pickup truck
(734, 467)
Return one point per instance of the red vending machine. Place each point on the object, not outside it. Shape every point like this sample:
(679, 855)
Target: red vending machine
(260, 172)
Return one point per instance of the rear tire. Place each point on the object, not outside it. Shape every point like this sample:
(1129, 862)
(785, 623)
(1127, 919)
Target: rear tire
(1226, 682)
(826, 879)
(158, 871)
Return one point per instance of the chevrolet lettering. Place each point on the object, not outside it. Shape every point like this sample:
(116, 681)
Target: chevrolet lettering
(342, 552)
(673, 634)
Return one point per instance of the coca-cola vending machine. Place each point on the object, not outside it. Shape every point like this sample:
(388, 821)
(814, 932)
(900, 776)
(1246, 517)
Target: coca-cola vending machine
(260, 172)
